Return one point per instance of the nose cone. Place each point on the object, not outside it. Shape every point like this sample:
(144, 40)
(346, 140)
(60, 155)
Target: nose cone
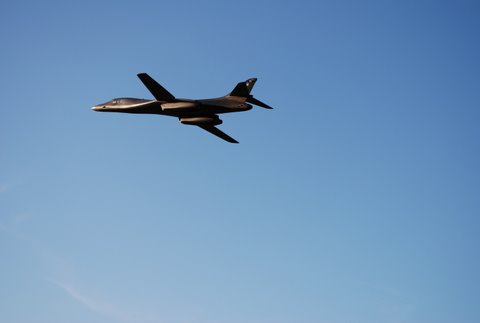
(96, 108)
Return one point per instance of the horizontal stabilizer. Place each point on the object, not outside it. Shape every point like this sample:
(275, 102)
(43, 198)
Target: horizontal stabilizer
(219, 133)
(252, 100)
(158, 91)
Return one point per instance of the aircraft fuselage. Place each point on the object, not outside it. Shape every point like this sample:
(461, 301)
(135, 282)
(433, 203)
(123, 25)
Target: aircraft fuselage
(179, 108)
(202, 113)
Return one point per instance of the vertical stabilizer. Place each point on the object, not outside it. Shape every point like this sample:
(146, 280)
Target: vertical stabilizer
(243, 89)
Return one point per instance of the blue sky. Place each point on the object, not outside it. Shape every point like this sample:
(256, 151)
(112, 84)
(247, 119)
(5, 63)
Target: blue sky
(355, 200)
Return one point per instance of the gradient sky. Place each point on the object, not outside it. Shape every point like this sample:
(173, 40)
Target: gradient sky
(357, 199)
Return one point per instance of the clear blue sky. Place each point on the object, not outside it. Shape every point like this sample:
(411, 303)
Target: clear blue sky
(357, 199)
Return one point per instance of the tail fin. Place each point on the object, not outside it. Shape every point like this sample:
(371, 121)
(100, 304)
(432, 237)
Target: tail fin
(243, 89)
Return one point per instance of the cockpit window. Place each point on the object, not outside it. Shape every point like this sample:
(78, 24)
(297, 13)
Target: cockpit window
(123, 101)
(119, 101)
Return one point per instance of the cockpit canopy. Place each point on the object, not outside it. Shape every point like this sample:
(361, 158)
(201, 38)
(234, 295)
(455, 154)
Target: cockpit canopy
(123, 101)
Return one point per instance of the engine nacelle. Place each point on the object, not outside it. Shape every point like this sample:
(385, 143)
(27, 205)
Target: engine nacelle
(202, 121)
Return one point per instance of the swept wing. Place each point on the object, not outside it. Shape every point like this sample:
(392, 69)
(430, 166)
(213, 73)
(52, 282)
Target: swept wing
(158, 91)
(219, 133)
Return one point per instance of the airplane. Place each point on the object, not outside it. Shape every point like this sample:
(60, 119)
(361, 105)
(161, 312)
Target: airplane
(202, 113)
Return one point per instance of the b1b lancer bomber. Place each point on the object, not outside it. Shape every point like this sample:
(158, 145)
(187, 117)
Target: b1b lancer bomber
(202, 113)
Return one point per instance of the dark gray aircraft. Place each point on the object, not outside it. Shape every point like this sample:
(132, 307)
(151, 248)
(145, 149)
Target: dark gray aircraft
(202, 113)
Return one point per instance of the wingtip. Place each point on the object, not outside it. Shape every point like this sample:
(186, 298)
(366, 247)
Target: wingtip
(230, 139)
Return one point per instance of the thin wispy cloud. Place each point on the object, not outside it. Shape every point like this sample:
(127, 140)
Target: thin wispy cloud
(95, 305)
(9, 185)
(116, 312)
(63, 274)
(56, 263)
